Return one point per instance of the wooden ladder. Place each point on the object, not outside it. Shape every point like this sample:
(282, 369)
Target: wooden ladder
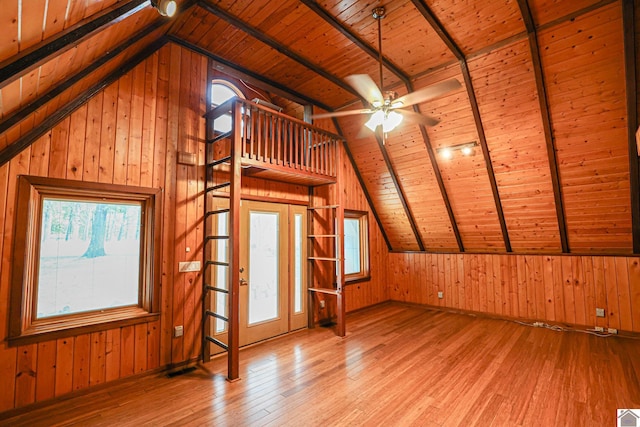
(222, 174)
(329, 284)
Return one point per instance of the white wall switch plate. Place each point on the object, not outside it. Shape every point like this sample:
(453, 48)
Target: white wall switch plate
(184, 267)
(178, 331)
(440, 294)
(599, 312)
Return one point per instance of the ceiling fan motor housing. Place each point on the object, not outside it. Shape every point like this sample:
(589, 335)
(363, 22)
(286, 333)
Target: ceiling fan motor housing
(378, 12)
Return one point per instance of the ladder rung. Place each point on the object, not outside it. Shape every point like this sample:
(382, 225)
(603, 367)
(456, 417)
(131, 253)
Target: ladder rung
(219, 211)
(216, 315)
(217, 187)
(216, 237)
(315, 236)
(324, 291)
(320, 258)
(217, 342)
(219, 137)
(214, 289)
(311, 208)
(224, 264)
(219, 161)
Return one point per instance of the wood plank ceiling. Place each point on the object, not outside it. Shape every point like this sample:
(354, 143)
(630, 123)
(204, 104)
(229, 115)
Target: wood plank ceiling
(548, 93)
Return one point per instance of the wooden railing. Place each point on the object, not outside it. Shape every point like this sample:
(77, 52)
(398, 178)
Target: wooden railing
(273, 140)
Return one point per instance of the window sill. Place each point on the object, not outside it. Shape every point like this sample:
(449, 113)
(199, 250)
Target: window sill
(84, 323)
(353, 280)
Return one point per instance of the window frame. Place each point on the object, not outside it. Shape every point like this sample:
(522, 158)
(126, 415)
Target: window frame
(365, 271)
(24, 328)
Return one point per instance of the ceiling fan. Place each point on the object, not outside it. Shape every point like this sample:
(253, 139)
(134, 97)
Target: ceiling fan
(387, 110)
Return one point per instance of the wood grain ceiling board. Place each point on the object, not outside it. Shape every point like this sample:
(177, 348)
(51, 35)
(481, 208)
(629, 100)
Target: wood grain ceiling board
(40, 19)
(58, 102)
(465, 177)
(476, 24)
(583, 65)
(545, 11)
(379, 185)
(505, 88)
(293, 25)
(225, 40)
(42, 79)
(411, 162)
(407, 40)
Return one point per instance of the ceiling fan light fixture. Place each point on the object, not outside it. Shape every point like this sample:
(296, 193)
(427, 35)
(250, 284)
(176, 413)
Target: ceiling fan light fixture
(165, 7)
(466, 149)
(375, 120)
(391, 120)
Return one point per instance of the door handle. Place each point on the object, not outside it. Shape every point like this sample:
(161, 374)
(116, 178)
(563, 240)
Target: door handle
(243, 282)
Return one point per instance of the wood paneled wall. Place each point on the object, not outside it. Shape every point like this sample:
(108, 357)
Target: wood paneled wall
(553, 288)
(130, 134)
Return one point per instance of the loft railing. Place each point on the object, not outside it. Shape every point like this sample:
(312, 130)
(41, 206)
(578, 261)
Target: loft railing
(272, 138)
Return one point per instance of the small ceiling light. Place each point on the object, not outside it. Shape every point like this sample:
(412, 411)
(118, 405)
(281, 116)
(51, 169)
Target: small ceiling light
(165, 7)
(466, 149)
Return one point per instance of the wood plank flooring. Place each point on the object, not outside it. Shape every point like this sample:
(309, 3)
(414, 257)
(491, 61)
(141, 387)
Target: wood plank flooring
(399, 365)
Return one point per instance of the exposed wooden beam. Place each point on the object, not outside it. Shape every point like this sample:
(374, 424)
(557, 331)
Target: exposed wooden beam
(30, 137)
(573, 15)
(31, 58)
(398, 186)
(406, 80)
(362, 183)
(630, 64)
(546, 123)
(448, 40)
(443, 189)
(259, 35)
(252, 76)
(32, 107)
(353, 37)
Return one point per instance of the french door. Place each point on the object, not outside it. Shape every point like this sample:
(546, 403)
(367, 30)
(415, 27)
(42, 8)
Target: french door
(272, 271)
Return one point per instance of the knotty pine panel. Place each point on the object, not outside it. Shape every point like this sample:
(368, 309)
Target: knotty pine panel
(46, 78)
(129, 133)
(545, 11)
(513, 127)
(370, 163)
(234, 45)
(584, 72)
(410, 158)
(477, 24)
(465, 178)
(402, 18)
(551, 288)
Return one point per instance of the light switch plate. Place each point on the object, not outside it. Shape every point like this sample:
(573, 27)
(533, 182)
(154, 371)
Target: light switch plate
(599, 312)
(440, 294)
(184, 267)
(178, 331)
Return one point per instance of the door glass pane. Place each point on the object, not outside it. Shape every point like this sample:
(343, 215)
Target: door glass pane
(297, 273)
(263, 266)
(351, 246)
(222, 249)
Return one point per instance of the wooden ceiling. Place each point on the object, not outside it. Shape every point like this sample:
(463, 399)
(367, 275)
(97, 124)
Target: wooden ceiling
(548, 92)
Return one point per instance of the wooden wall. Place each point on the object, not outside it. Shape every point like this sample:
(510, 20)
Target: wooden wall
(557, 289)
(130, 134)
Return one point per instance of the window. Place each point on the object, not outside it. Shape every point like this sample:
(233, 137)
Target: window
(222, 91)
(356, 246)
(83, 257)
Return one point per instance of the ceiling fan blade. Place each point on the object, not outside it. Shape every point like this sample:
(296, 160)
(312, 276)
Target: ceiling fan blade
(366, 87)
(419, 119)
(341, 113)
(427, 93)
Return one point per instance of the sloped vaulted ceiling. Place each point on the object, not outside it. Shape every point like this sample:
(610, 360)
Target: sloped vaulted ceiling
(548, 92)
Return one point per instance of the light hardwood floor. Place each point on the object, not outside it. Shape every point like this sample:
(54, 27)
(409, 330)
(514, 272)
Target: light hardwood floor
(399, 365)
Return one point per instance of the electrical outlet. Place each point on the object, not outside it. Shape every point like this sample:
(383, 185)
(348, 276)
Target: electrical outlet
(321, 303)
(599, 329)
(600, 312)
(440, 294)
(538, 324)
(178, 331)
(612, 330)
